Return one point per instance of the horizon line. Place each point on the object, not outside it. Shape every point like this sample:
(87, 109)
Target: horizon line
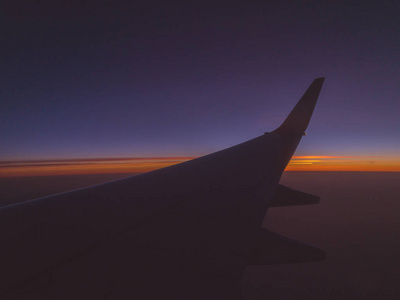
(70, 166)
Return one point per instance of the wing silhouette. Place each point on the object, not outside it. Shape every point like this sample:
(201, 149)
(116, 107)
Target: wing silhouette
(181, 232)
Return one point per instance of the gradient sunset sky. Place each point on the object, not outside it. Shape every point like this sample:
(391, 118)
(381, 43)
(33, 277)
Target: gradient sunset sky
(179, 79)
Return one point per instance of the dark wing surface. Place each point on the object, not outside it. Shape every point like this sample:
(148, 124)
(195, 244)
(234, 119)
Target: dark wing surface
(182, 232)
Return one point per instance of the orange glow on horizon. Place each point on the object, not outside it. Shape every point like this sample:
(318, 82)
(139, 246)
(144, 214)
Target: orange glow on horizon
(141, 165)
(344, 163)
(89, 166)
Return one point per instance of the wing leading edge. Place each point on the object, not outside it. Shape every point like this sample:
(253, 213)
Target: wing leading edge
(200, 220)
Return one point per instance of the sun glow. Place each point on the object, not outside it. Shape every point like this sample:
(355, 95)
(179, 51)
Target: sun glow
(86, 166)
(344, 163)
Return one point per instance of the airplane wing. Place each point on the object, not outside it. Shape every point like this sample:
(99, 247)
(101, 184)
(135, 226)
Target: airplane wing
(182, 232)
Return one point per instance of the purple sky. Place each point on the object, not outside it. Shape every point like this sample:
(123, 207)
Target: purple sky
(91, 80)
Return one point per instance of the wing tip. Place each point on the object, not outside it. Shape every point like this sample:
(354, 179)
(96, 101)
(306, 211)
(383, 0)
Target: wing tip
(298, 119)
(318, 81)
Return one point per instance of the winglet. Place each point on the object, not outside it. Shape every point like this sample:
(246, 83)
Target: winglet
(298, 119)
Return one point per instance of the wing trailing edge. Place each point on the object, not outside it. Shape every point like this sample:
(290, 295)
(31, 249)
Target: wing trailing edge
(271, 248)
(285, 196)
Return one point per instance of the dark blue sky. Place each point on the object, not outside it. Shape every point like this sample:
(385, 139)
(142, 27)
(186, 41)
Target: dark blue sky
(126, 80)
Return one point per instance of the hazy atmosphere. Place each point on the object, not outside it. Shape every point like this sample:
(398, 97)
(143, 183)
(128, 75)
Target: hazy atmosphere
(357, 223)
